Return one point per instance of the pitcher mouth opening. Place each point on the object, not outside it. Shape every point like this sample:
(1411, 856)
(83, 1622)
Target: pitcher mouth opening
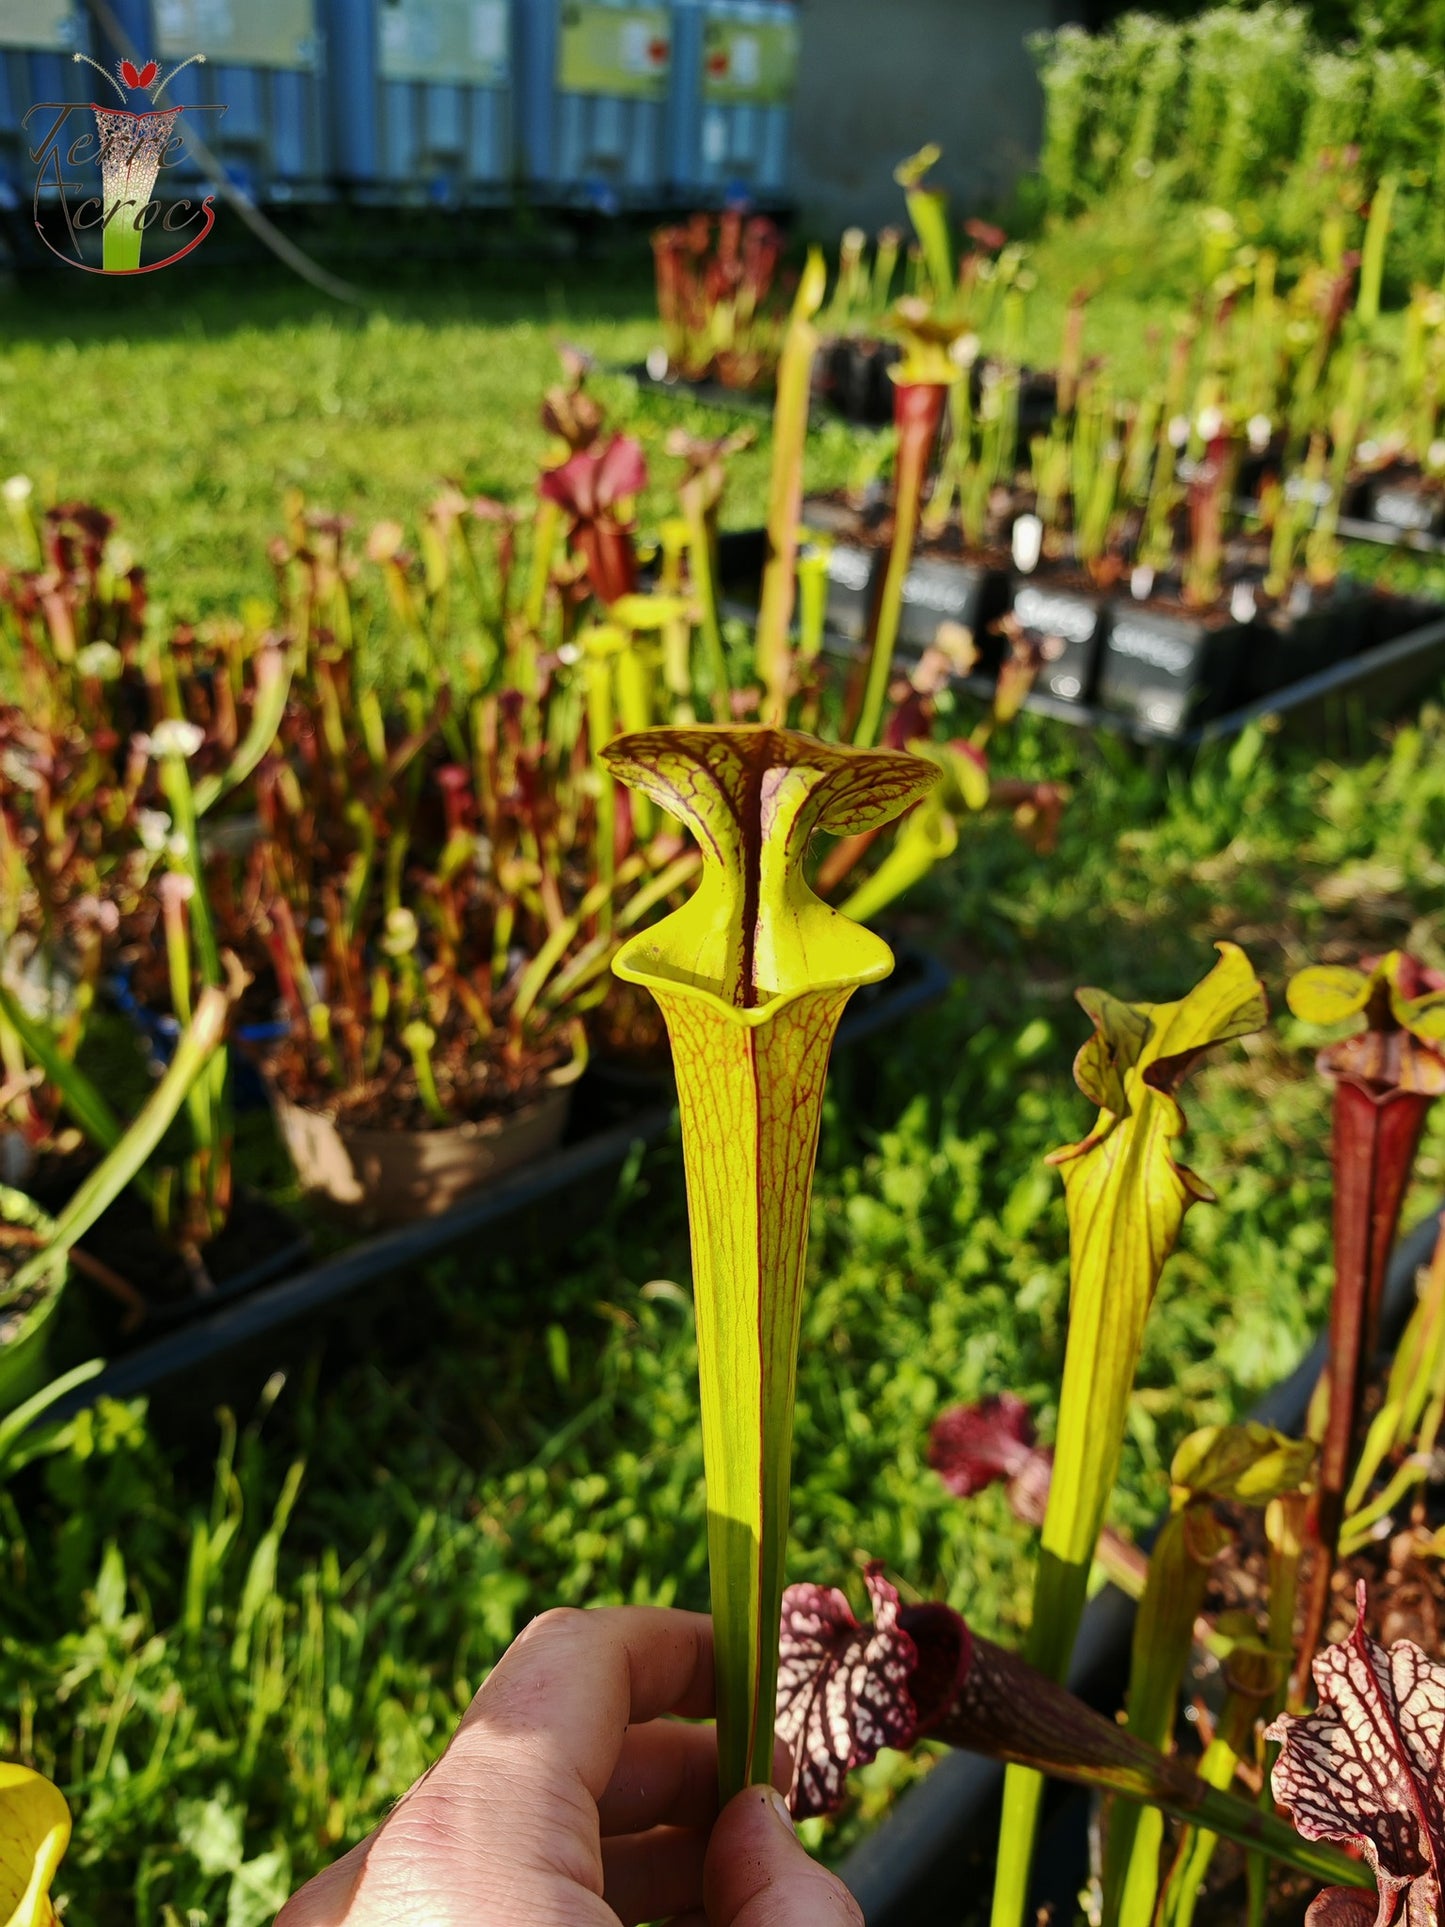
(641, 962)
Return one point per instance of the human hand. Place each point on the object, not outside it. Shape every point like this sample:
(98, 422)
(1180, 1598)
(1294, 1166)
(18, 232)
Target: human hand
(567, 1800)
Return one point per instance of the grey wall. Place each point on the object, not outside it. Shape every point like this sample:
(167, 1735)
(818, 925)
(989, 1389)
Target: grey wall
(878, 78)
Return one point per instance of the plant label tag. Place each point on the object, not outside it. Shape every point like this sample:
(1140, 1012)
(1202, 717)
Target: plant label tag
(937, 592)
(1402, 508)
(1067, 628)
(1027, 543)
(850, 589)
(1168, 671)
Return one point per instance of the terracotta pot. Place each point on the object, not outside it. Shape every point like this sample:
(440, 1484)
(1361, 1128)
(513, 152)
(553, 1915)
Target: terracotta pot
(392, 1177)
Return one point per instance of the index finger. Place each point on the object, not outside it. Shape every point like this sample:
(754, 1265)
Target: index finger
(566, 1691)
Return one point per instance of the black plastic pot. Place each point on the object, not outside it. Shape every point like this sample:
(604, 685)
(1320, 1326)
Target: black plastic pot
(939, 589)
(850, 377)
(936, 589)
(854, 573)
(907, 1872)
(1398, 651)
(1168, 671)
(1069, 628)
(259, 1242)
(1402, 500)
(247, 1336)
(1309, 633)
(855, 568)
(1328, 709)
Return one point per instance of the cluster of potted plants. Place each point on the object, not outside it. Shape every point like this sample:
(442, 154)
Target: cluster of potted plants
(390, 806)
(1165, 557)
(717, 300)
(1154, 118)
(1241, 1588)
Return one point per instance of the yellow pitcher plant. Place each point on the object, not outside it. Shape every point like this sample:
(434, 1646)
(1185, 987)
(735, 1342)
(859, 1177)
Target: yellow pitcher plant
(34, 1833)
(1126, 1198)
(752, 975)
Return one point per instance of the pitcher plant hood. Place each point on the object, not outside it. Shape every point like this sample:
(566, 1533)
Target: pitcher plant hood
(754, 932)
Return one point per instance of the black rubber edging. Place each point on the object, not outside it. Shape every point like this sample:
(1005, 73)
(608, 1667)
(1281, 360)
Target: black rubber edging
(324, 1287)
(906, 1873)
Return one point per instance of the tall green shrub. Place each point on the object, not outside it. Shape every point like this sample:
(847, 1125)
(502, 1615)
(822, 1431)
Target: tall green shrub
(1255, 110)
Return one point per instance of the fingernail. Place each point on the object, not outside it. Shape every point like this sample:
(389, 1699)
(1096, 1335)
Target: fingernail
(780, 1807)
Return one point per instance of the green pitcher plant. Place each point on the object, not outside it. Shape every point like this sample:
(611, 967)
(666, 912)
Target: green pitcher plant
(1245, 1466)
(752, 975)
(1126, 1198)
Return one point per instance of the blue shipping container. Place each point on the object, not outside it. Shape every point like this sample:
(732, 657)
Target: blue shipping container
(736, 66)
(597, 108)
(421, 99)
(260, 92)
(38, 43)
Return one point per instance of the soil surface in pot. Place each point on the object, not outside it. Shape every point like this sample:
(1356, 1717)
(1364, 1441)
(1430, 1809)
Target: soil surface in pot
(470, 1089)
(1061, 578)
(1166, 602)
(873, 529)
(125, 1244)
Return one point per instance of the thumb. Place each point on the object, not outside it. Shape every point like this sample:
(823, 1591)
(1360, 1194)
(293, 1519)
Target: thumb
(758, 1873)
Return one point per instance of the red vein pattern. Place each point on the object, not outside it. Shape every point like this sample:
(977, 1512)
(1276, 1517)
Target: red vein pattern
(1367, 1769)
(842, 1689)
(845, 1690)
(751, 1102)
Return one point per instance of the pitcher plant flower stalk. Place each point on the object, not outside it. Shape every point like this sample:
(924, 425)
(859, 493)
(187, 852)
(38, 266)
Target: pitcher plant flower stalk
(1126, 1198)
(1385, 1078)
(772, 655)
(921, 384)
(1241, 1465)
(752, 975)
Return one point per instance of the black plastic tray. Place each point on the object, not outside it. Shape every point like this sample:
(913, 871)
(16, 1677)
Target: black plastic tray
(906, 1873)
(238, 1324)
(709, 394)
(1378, 682)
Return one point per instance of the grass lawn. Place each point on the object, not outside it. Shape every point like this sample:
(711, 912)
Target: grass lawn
(189, 420)
(235, 1647)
